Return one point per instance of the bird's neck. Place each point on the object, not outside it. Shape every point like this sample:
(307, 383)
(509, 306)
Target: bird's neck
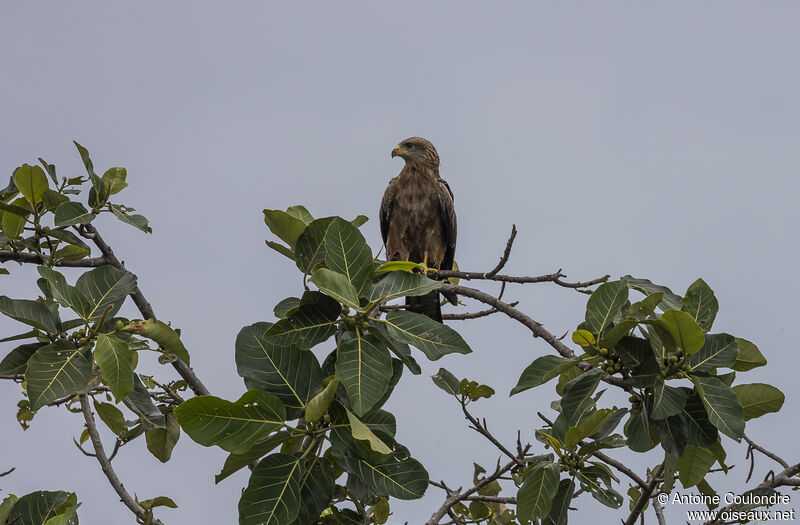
(416, 170)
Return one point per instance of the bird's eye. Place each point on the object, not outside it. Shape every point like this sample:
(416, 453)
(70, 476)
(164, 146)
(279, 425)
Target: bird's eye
(408, 145)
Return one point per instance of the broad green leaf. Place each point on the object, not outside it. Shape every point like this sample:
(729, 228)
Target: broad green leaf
(434, 339)
(359, 220)
(719, 351)
(300, 212)
(535, 495)
(637, 429)
(71, 213)
(380, 511)
(561, 502)
(291, 374)
(604, 494)
(70, 253)
(593, 423)
(5, 507)
(672, 433)
(699, 430)
(364, 367)
(17, 360)
(161, 333)
(98, 193)
(285, 226)
(235, 427)
(362, 432)
(617, 332)
(114, 180)
(684, 330)
(604, 305)
(316, 489)
(111, 416)
(312, 323)
(37, 507)
(13, 218)
(723, 408)
(395, 266)
(32, 313)
(10, 191)
(114, 359)
(106, 287)
(136, 220)
(236, 462)
(542, 370)
(310, 249)
(758, 399)
(694, 464)
(319, 404)
(272, 496)
(642, 309)
(669, 301)
(701, 304)
(583, 338)
(347, 252)
(87, 162)
(402, 284)
(749, 356)
(57, 370)
(140, 403)
(66, 295)
(398, 348)
(31, 182)
(281, 249)
(667, 400)
(286, 307)
(576, 392)
(406, 479)
(161, 441)
(445, 380)
(336, 285)
(160, 501)
(50, 168)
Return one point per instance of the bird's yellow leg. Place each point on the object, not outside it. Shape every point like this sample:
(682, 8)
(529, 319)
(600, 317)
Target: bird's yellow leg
(425, 264)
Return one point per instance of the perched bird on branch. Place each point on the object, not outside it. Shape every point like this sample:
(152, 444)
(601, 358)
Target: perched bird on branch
(418, 219)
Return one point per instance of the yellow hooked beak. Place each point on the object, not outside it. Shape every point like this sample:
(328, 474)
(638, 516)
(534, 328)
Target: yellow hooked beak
(398, 152)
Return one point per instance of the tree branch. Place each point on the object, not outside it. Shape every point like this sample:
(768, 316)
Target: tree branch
(647, 491)
(33, 258)
(105, 463)
(766, 452)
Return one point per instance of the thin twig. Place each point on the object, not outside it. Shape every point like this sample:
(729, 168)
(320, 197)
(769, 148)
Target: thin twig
(473, 315)
(105, 463)
(647, 491)
(7, 472)
(506, 253)
(766, 452)
(483, 430)
(659, 510)
(34, 258)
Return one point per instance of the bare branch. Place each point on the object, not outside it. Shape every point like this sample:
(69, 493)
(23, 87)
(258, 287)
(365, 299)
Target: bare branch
(105, 463)
(473, 315)
(33, 258)
(766, 452)
(483, 430)
(659, 510)
(7, 472)
(647, 491)
(506, 253)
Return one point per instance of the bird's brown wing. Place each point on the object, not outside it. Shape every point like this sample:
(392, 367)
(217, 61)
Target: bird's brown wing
(387, 204)
(447, 214)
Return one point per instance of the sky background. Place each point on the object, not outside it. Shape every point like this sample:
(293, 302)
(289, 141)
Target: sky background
(622, 138)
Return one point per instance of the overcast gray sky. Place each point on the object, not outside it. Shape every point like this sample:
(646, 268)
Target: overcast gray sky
(620, 137)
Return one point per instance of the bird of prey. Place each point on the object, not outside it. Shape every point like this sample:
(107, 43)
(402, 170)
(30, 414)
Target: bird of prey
(418, 219)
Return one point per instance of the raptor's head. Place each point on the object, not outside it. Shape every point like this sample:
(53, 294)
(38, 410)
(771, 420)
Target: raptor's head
(416, 150)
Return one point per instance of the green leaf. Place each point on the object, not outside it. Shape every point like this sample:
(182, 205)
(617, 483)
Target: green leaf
(336, 285)
(749, 356)
(561, 502)
(70, 253)
(235, 427)
(5, 507)
(542, 370)
(347, 252)
(398, 348)
(31, 182)
(723, 408)
(447, 382)
(17, 360)
(114, 359)
(672, 432)
(402, 284)
(161, 441)
(161, 333)
(272, 496)
(286, 307)
(364, 367)
(140, 403)
(98, 193)
(618, 331)
(669, 301)
(406, 479)
(160, 501)
(291, 374)
(66, 295)
(236, 462)
(37, 507)
(281, 249)
(14, 217)
(644, 308)
(434, 339)
(684, 330)
(637, 429)
(111, 416)
(701, 304)
(57, 370)
(310, 248)
(312, 323)
(589, 479)
(667, 400)
(605, 304)
(693, 465)
(758, 399)
(316, 489)
(106, 287)
(719, 351)
(71, 213)
(114, 180)
(576, 392)
(136, 220)
(399, 266)
(284, 225)
(535, 495)
(583, 338)
(87, 162)
(699, 432)
(362, 432)
(319, 404)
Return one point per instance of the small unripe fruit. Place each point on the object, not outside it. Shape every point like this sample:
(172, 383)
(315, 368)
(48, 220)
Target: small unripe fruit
(82, 341)
(604, 351)
(617, 366)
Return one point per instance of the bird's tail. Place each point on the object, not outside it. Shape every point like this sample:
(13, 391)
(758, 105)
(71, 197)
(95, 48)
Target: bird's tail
(427, 304)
